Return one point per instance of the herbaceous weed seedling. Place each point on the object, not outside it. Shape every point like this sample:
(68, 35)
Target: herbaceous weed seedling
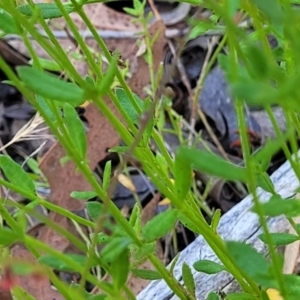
(257, 75)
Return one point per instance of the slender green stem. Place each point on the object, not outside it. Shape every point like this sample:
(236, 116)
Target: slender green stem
(250, 167)
(285, 148)
(68, 261)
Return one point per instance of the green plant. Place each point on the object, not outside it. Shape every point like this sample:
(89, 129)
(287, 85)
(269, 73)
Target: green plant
(255, 77)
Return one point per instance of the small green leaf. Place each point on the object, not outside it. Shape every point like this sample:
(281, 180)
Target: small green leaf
(241, 296)
(215, 220)
(90, 80)
(259, 66)
(76, 129)
(108, 78)
(188, 278)
(135, 218)
(94, 209)
(212, 164)
(264, 155)
(16, 175)
(208, 267)
(45, 108)
(57, 264)
(149, 119)
(48, 10)
(277, 206)
(188, 223)
(50, 86)
(8, 237)
(103, 238)
(292, 283)
(160, 225)
(64, 160)
(118, 149)
(139, 5)
(182, 175)
(272, 9)
(7, 23)
(263, 180)
(115, 248)
(254, 92)
(213, 296)
(161, 161)
(174, 262)
(20, 293)
(34, 166)
(48, 64)
(97, 297)
(127, 105)
(297, 228)
(232, 6)
(131, 11)
(119, 269)
(280, 239)
(251, 262)
(106, 175)
(22, 268)
(86, 195)
(146, 274)
(144, 250)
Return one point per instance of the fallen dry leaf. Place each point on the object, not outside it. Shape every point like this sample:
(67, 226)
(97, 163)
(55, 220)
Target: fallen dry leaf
(126, 182)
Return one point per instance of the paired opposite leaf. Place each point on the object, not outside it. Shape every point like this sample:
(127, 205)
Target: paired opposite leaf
(160, 225)
(86, 195)
(7, 23)
(48, 10)
(45, 108)
(114, 249)
(188, 278)
(182, 175)
(251, 262)
(241, 296)
(119, 269)
(211, 164)
(215, 220)
(108, 77)
(58, 264)
(16, 175)
(188, 223)
(76, 129)
(7, 237)
(272, 9)
(146, 274)
(94, 209)
(128, 107)
(50, 86)
(213, 296)
(208, 266)
(277, 206)
(280, 239)
(135, 218)
(106, 175)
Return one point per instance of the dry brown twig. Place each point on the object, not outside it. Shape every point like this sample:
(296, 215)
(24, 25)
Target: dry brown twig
(194, 94)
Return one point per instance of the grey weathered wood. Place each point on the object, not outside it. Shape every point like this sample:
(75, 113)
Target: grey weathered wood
(239, 224)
